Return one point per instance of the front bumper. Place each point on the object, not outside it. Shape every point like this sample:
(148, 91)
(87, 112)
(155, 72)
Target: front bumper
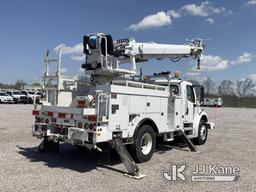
(210, 125)
(7, 101)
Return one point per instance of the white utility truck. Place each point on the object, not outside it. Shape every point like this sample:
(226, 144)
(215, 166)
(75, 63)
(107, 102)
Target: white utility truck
(213, 102)
(120, 109)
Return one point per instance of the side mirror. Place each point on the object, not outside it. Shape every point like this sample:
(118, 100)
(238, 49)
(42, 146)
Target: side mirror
(198, 103)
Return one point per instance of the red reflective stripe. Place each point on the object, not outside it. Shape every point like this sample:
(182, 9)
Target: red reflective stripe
(92, 117)
(50, 114)
(35, 112)
(62, 115)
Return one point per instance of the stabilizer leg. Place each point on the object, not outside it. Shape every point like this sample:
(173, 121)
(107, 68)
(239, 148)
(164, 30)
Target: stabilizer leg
(130, 165)
(191, 146)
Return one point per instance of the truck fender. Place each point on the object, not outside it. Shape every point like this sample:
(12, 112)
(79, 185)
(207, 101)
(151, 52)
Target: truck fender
(198, 117)
(146, 121)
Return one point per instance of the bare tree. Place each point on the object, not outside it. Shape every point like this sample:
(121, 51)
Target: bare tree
(225, 88)
(209, 86)
(243, 88)
(194, 82)
(20, 84)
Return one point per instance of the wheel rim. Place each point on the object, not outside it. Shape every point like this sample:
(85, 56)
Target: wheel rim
(146, 143)
(203, 133)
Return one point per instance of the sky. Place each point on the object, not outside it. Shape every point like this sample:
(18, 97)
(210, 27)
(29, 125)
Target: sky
(29, 27)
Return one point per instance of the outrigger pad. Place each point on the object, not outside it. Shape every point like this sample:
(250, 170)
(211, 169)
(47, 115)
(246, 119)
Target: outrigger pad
(48, 146)
(138, 176)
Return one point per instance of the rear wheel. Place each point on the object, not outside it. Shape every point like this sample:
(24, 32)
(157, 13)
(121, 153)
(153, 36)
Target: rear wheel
(144, 144)
(202, 133)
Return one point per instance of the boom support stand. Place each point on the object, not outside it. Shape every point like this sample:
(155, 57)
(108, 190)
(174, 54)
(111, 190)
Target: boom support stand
(130, 165)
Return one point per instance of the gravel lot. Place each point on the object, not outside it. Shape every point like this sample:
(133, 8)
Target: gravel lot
(23, 169)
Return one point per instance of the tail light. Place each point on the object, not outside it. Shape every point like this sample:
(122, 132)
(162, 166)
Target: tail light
(35, 112)
(62, 115)
(50, 114)
(92, 117)
(65, 116)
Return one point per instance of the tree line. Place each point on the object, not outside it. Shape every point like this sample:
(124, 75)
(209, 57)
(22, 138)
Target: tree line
(18, 85)
(234, 94)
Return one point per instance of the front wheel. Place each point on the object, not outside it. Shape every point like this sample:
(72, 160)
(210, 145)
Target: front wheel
(202, 133)
(144, 144)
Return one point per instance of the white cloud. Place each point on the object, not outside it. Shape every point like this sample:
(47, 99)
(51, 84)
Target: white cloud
(76, 51)
(63, 70)
(197, 10)
(205, 9)
(192, 73)
(213, 63)
(78, 57)
(243, 59)
(253, 77)
(159, 19)
(251, 2)
(210, 20)
(216, 63)
(173, 13)
(81, 70)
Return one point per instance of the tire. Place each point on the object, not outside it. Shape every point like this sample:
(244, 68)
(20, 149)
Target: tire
(145, 136)
(81, 148)
(30, 101)
(202, 133)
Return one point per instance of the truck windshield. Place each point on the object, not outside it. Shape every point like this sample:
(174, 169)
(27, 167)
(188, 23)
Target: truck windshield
(24, 92)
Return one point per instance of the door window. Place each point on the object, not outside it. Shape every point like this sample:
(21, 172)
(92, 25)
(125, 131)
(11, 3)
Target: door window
(190, 94)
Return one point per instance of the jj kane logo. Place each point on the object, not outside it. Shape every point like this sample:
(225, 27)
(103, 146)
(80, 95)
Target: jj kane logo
(204, 172)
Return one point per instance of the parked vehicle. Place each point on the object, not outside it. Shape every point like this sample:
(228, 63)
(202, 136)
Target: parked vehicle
(5, 98)
(213, 102)
(31, 96)
(17, 96)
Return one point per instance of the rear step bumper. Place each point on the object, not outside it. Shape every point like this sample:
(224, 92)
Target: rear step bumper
(69, 134)
(72, 135)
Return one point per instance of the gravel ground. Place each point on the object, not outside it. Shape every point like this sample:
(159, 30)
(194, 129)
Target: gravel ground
(23, 169)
